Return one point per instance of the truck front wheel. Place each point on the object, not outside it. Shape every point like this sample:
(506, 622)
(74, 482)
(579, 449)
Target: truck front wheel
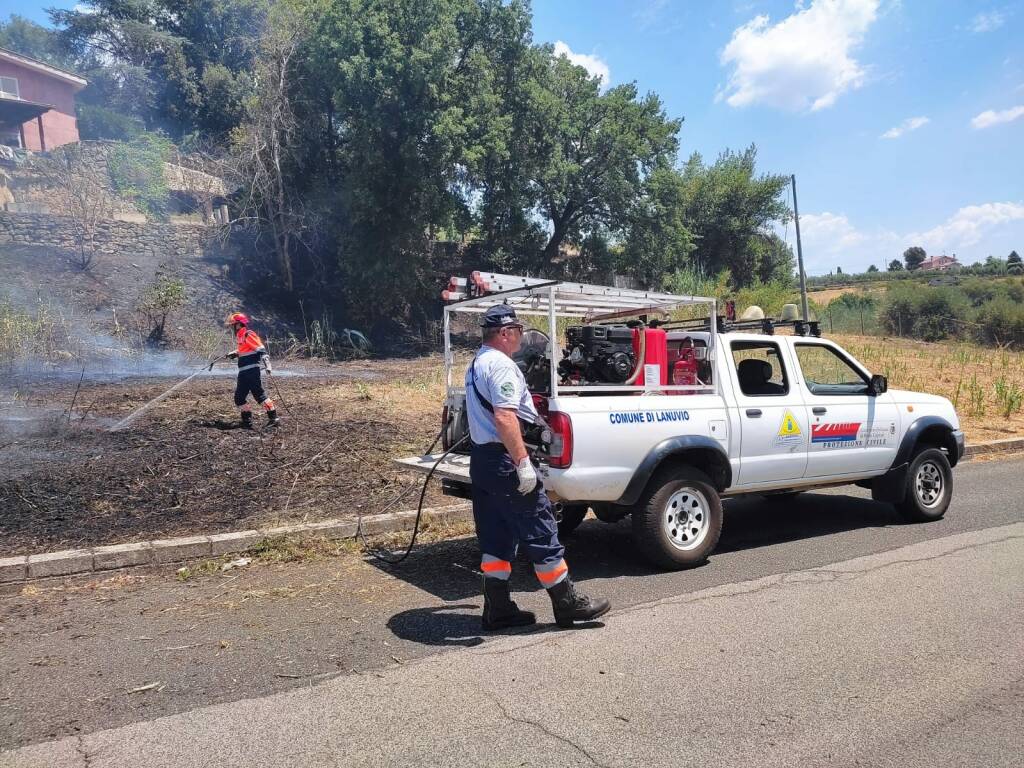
(677, 522)
(929, 487)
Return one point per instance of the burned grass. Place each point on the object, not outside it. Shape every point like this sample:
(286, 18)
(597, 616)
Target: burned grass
(177, 471)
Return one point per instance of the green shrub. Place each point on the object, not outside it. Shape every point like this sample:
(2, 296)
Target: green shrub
(899, 309)
(694, 282)
(979, 291)
(768, 296)
(939, 311)
(136, 171)
(1000, 322)
(925, 312)
(852, 313)
(163, 296)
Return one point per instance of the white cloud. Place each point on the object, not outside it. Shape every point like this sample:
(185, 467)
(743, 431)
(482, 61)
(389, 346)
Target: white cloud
(987, 21)
(802, 62)
(831, 240)
(990, 117)
(908, 125)
(969, 226)
(592, 64)
(649, 13)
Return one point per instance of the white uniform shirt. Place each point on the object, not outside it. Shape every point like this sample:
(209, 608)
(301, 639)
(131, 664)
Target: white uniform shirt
(500, 381)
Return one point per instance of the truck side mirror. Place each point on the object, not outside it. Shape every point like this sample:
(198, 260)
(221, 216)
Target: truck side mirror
(879, 385)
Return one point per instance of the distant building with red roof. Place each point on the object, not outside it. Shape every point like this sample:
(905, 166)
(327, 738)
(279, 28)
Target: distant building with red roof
(939, 263)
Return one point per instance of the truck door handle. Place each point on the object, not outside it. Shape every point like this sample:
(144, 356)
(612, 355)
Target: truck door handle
(753, 412)
(818, 410)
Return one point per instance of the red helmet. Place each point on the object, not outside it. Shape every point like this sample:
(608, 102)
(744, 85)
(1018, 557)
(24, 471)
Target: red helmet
(237, 318)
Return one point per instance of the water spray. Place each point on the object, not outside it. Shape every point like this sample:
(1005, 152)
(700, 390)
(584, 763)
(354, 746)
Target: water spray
(127, 420)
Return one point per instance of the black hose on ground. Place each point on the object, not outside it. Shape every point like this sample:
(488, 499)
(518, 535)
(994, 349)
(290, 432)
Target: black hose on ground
(379, 554)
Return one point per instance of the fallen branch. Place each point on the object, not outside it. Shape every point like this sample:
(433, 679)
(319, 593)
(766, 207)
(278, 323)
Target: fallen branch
(157, 686)
(75, 398)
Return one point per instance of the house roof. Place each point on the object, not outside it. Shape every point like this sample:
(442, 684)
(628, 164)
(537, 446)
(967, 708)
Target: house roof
(41, 66)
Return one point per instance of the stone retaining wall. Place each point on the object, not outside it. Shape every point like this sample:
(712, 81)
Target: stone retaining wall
(158, 239)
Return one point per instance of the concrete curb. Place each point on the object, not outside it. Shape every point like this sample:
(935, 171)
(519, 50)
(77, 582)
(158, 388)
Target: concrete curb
(161, 551)
(995, 446)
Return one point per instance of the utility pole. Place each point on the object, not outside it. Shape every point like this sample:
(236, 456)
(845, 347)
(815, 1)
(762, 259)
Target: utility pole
(799, 252)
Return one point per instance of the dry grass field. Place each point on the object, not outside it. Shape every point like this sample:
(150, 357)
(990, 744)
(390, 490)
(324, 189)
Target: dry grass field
(985, 384)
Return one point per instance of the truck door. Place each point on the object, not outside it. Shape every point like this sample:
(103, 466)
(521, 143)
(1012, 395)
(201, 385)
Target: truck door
(851, 431)
(772, 417)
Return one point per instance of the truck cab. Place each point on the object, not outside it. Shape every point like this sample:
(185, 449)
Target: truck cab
(659, 420)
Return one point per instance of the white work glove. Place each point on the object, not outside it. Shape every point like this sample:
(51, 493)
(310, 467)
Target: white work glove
(527, 476)
(266, 364)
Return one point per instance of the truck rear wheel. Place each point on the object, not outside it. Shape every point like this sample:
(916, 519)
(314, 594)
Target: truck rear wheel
(570, 518)
(929, 487)
(677, 522)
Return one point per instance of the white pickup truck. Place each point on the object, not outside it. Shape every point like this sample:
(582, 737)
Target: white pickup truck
(736, 412)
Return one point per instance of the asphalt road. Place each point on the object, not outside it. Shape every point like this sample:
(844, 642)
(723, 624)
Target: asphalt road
(769, 654)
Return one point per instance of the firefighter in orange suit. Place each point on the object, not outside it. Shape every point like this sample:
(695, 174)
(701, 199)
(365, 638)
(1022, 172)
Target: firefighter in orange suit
(250, 354)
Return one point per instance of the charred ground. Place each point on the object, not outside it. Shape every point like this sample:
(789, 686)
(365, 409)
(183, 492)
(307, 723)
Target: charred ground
(67, 482)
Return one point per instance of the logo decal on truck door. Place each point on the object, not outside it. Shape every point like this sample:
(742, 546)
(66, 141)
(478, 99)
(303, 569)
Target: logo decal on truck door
(835, 435)
(789, 431)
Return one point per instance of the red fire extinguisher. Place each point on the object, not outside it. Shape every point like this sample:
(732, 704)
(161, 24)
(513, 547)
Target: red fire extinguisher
(684, 371)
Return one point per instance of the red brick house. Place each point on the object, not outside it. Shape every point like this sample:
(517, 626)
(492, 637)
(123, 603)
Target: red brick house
(939, 263)
(37, 103)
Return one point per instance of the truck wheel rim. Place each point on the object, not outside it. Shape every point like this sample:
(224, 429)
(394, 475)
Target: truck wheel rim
(686, 518)
(928, 485)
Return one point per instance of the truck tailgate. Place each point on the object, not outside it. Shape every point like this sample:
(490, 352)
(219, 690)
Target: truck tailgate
(454, 467)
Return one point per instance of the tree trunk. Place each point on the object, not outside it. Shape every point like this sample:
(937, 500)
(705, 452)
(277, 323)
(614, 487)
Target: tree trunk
(550, 252)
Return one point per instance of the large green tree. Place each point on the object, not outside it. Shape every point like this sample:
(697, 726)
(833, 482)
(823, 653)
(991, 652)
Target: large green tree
(26, 37)
(405, 91)
(731, 211)
(591, 151)
(658, 242)
(181, 66)
(913, 257)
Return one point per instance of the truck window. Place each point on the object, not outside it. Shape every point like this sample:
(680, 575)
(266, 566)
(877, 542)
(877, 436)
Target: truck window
(759, 368)
(827, 373)
(692, 358)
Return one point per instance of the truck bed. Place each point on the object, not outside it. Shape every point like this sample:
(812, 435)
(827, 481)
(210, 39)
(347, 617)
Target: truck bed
(454, 467)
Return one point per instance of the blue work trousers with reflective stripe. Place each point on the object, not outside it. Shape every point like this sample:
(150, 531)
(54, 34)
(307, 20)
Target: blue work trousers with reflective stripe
(504, 517)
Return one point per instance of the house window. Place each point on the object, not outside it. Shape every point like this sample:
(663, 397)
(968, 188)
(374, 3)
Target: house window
(9, 88)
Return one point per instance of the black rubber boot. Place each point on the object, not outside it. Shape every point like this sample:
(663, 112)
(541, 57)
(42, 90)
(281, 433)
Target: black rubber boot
(500, 611)
(570, 605)
(246, 419)
(272, 418)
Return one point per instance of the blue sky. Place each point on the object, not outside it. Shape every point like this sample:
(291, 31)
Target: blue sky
(902, 120)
